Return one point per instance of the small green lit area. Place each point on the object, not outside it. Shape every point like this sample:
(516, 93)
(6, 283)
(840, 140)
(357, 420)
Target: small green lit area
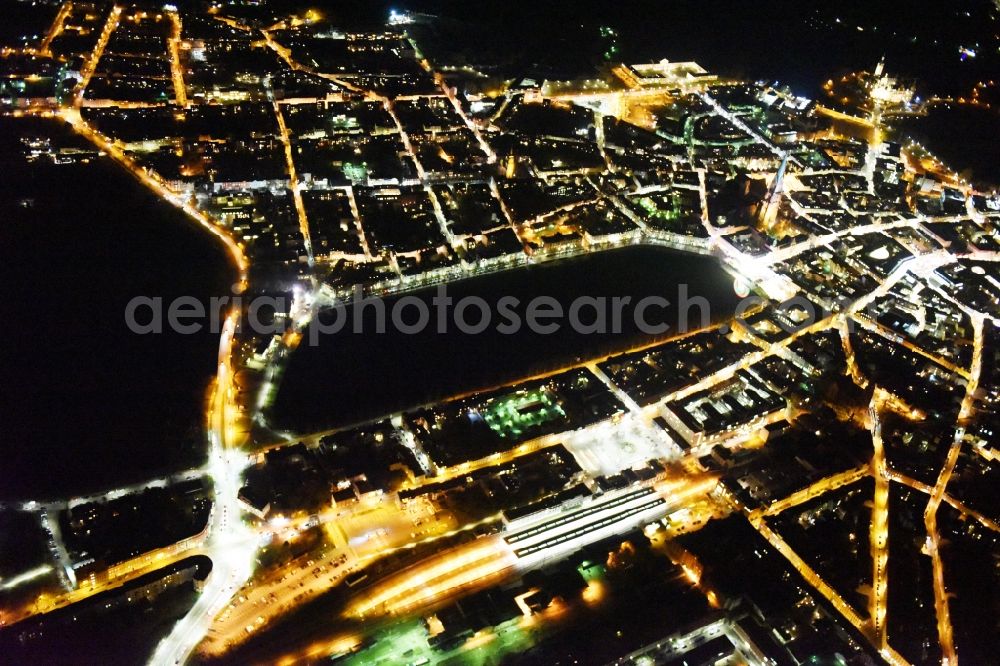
(344, 123)
(666, 207)
(355, 172)
(411, 643)
(510, 416)
(591, 571)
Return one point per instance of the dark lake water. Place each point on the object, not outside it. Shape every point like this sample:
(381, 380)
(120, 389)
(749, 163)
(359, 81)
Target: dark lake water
(84, 403)
(965, 138)
(349, 377)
